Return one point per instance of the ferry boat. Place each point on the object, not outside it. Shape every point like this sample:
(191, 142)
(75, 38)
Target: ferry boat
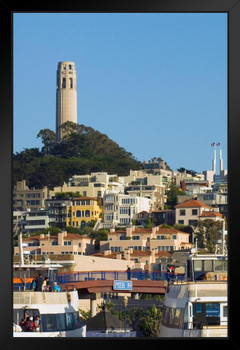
(58, 311)
(197, 306)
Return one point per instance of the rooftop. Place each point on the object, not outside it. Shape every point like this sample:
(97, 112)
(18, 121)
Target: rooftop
(192, 203)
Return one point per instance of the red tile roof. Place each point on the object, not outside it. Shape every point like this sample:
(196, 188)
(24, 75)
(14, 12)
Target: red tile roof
(140, 253)
(142, 230)
(37, 237)
(74, 236)
(163, 253)
(161, 230)
(109, 256)
(170, 231)
(68, 236)
(192, 203)
(210, 214)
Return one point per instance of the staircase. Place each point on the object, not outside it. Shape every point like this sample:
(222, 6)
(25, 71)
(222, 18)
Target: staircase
(98, 225)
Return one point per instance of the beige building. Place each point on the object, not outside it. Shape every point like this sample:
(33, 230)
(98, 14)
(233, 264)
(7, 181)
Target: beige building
(92, 185)
(154, 240)
(213, 215)
(162, 177)
(64, 244)
(25, 198)
(66, 104)
(140, 259)
(191, 211)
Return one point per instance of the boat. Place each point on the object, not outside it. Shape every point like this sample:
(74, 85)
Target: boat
(197, 306)
(58, 311)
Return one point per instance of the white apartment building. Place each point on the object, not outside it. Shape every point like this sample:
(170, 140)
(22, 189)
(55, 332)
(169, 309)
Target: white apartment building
(35, 220)
(120, 209)
(92, 185)
(156, 193)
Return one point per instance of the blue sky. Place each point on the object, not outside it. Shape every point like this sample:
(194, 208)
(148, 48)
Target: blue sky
(154, 83)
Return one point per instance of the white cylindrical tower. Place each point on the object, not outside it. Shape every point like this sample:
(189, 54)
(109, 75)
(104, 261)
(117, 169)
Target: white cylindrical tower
(220, 161)
(66, 99)
(214, 161)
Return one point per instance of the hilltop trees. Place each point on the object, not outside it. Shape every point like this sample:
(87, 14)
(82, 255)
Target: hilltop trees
(82, 150)
(191, 172)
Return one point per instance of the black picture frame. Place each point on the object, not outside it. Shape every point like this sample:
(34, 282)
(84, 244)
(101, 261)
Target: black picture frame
(232, 8)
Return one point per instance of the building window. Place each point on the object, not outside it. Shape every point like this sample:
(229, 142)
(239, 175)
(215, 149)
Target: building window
(225, 311)
(136, 237)
(67, 242)
(194, 212)
(181, 222)
(182, 212)
(87, 213)
(78, 213)
(212, 309)
(193, 222)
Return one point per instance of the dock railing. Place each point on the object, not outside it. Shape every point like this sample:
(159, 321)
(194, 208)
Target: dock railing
(117, 275)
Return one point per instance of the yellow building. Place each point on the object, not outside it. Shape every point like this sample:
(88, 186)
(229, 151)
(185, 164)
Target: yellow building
(83, 210)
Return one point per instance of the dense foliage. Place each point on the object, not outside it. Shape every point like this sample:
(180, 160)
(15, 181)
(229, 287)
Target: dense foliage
(82, 150)
(148, 322)
(208, 232)
(172, 193)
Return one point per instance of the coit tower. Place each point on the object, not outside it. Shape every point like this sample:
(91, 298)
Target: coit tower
(66, 101)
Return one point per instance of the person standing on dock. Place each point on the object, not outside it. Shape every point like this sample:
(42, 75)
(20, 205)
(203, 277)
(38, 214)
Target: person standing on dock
(128, 273)
(39, 283)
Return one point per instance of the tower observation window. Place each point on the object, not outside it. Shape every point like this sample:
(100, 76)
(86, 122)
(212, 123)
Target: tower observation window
(63, 82)
(71, 83)
(69, 66)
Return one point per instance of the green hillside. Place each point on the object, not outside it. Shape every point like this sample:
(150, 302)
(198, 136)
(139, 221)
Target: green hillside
(82, 150)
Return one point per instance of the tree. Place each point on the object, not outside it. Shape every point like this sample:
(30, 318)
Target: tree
(68, 128)
(183, 228)
(149, 223)
(100, 235)
(191, 172)
(207, 234)
(48, 139)
(172, 192)
(159, 160)
(150, 322)
(53, 230)
(67, 195)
